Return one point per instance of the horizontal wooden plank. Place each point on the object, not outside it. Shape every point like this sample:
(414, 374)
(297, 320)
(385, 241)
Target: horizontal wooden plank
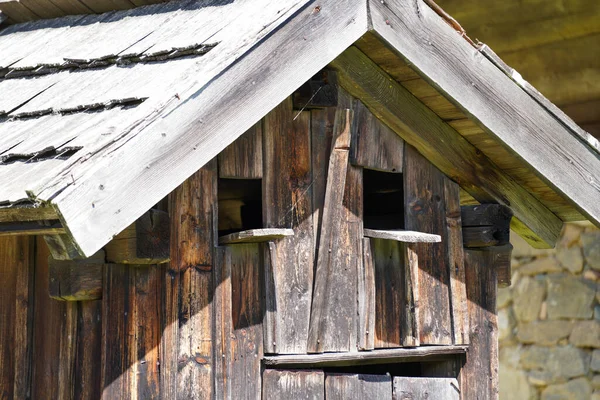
(417, 354)
(256, 235)
(16, 214)
(444, 147)
(470, 80)
(52, 227)
(403, 236)
(485, 215)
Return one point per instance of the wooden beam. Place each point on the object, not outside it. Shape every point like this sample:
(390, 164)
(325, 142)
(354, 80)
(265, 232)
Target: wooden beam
(76, 280)
(402, 355)
(499, 105)
(256, 235)
(403, 236)
(22, 214)
(443, 146)
(52, 227)
(146, 241)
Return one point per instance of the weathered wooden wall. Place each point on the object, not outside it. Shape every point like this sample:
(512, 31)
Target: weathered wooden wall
(199, 326)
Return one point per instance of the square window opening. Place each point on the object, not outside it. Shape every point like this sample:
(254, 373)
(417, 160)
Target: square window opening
(383, 207)
(240, 205)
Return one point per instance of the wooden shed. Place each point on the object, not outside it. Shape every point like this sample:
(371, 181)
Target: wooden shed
(294, 199)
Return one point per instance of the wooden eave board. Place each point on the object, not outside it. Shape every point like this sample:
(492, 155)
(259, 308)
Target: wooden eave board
(506, 160)
(521, 123)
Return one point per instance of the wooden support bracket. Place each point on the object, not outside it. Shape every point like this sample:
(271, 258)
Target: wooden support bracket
(144, 242)
(403, 236)
(256, 235)
(487, 227)
(76, 280)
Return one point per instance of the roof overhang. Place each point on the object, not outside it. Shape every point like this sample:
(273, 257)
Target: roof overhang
(97, 196)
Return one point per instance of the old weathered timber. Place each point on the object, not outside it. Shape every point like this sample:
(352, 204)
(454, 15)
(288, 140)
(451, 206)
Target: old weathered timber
(387, 356)
(424, 193)
(456, 264)
(374, 145)
(486, 215)
(287, 203)
(357, 386)
(485, 236)
(300, 384)
(443, 146)
(16, 330)
(62, 247)
(480, 373)
(243, 158)
(366, 299)
(425, 388)
(223, 323)
(403, 236)
(187, 339)
(76, 280)
(47, 227)
(246, 349)
(131, 332)
(144, 242)
(396, 294)
(256, 236)
(333, 311)
(410, 27)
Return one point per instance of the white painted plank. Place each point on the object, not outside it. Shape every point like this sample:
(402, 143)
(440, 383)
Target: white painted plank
(403, 236)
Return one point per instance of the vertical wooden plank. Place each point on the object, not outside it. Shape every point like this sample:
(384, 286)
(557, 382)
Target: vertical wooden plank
(243, 158)
(297, 384)
(409, 324)
(333, 320)
(54, 336)
(366, 299)
(456, 264)
(87, 384)
(357, 386)
(186, 345)
(374, 145)
(246, 317)
(130, 332)
(16, 308)
(222, 327)
(480, 373)
(389, 293)
(287, 203)
(424, 192)
(425, 388)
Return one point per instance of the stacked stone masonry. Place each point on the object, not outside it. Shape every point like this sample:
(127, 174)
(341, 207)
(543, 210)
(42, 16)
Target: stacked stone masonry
(549, 319)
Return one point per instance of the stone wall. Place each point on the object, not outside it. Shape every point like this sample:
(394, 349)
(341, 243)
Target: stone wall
(549, 319)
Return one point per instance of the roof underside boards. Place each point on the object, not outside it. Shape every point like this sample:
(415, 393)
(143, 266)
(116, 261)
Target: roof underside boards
(111, 112)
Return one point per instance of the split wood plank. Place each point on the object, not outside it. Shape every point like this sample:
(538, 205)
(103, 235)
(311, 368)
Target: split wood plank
(55, 345)
(52, 227)
(357, 386)
(374, 145)
(366, 299)
(77, 280)
(222, 324)
(333, 313)
(396, 294)
(424, 193)
(287, 205)
(425, 388)
(256, 236)
(146, 241)
(403, 236)
(387, 356)
(186, 348)
(130, 332)
(246, 349)
(16, 308)
(512, 116)
(293, 385)
(480, 374)
(243, 158)
(456, 264)
(444, 147)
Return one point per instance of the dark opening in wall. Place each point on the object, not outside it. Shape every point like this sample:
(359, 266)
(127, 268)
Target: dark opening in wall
(240, 205)
(383, 200)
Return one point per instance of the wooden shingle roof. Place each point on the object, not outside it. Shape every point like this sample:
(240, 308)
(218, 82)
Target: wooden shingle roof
(101, 116)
